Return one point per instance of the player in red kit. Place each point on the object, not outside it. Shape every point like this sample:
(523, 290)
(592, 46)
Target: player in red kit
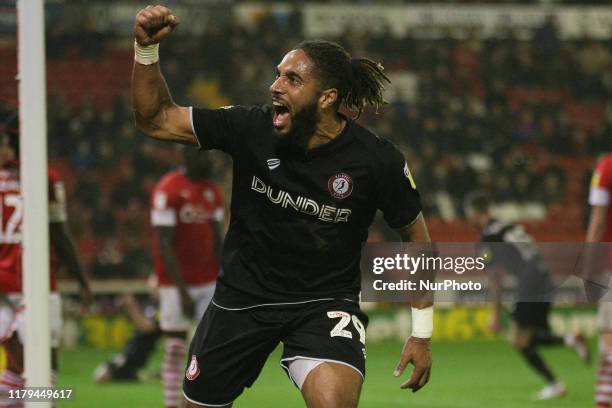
(187, 213)
(62, 254)
(600, 230)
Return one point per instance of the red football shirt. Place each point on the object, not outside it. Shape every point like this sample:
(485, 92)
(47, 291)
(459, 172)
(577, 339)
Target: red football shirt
(601, 192)
(191, 207)
(11, 208)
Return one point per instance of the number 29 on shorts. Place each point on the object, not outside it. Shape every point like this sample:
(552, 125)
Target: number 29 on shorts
(345, 320)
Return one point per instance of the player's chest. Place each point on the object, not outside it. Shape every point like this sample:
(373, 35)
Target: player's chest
(195, 205)
(329, 184)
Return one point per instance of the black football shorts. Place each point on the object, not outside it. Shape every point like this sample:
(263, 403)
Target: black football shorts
(230, 347)
(532, 315)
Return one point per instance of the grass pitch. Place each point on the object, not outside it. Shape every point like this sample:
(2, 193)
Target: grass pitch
(465, 375)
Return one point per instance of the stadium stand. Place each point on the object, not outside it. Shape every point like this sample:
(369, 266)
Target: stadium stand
(505, 115)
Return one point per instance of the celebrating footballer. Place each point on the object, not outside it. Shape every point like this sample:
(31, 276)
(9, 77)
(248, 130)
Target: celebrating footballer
(307, 182)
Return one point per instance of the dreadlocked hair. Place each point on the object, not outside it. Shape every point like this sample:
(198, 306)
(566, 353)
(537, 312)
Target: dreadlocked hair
(359, 81)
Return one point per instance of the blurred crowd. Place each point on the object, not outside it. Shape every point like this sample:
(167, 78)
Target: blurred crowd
(479, 2)
(514, 117)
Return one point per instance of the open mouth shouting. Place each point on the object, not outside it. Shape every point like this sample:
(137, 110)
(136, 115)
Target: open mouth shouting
(282, 116)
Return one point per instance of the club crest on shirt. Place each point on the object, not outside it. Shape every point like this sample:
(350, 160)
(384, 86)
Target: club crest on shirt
(340, 185)
(193, 370)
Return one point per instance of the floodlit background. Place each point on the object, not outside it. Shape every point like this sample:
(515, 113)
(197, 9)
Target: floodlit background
(510, 98)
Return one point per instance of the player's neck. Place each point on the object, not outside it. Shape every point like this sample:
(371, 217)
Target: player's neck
(328, 128)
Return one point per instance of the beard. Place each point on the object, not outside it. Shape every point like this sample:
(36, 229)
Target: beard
(303, 125)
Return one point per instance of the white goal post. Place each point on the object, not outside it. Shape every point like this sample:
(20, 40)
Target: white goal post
(33, 162)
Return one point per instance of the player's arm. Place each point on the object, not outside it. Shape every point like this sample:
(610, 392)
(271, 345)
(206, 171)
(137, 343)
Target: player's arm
(132, 308)
(595, 281)
(155, 112)
(167, 236)
(64, 248)
(416, 232)
(597, 223)
(417, 349)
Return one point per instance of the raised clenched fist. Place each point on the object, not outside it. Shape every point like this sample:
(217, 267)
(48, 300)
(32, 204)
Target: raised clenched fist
(154, 23)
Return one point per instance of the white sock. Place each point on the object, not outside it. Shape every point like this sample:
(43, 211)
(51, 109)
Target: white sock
(173, 370)
(10, 380)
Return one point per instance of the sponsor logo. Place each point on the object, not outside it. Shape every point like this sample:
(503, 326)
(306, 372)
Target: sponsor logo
(192, 214)
(273, 163)
(193, 370)
(340, 185)
(209, 195)
(301, 204)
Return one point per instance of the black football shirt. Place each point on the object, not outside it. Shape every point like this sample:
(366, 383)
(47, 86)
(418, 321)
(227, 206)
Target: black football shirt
(299, 217)
(509, 246)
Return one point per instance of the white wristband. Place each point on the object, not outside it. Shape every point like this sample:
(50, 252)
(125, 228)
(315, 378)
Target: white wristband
(422, 322)
(146, 54)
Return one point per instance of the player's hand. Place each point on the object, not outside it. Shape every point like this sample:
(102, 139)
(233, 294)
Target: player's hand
(153, 23)
(418, 352)
(188, 305)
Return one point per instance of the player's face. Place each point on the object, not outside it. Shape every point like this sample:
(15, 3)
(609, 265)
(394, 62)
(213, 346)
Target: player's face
(295, 95)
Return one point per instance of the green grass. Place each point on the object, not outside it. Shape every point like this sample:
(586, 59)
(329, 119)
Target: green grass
(465, 375)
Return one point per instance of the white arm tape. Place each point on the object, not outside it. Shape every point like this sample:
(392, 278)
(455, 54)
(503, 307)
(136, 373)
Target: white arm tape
(422, 322)
(146, 54)
(599, 196)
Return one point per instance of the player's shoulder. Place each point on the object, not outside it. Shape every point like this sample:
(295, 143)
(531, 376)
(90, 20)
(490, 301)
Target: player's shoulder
(253, 109)
(376, 147)
(54, 175)
(234, 113)
(494, 231)
(249, 111)
(605, 164)
(170, 180)
(602, 176)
